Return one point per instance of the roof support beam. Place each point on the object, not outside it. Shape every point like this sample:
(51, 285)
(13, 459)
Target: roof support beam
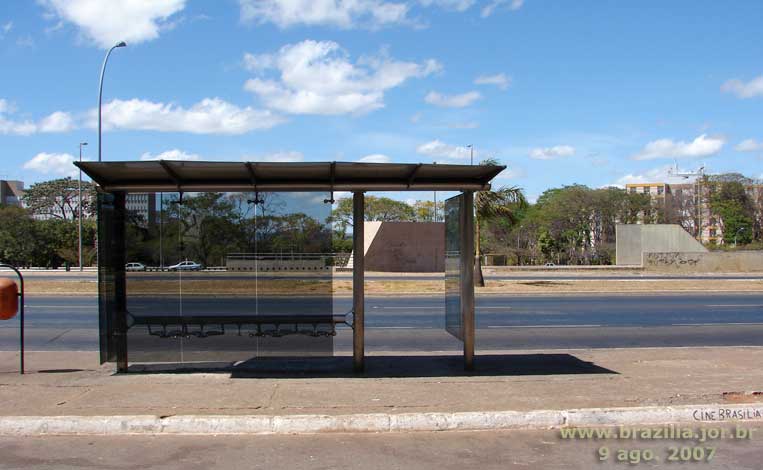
(412, 176)
(252, 173)
(171, 173)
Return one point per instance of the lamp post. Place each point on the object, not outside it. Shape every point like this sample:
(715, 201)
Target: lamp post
(100, 92)
(740, 229)
(471, 153)
(79, 209)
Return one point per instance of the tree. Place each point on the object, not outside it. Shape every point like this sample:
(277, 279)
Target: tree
(58, 199)
(424, 211)
(382, 209)
(21, 241)
(729, 200)
(502, 203)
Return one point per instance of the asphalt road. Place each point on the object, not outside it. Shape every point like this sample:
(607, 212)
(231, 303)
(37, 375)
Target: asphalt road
(483, 450)
(417, 323)
(91, 276)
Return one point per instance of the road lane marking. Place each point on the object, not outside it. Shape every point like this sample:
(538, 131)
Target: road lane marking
(735, 305)
(717, 324)
(543, 326)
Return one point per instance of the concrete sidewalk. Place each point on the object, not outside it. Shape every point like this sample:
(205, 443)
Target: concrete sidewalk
(528, 389)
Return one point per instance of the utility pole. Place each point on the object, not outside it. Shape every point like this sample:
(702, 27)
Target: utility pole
(699, 174)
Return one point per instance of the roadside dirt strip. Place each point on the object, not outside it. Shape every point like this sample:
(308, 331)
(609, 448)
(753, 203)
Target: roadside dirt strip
(401, 287)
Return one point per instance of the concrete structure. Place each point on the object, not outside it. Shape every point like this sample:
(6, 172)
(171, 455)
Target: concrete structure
(712, 262)
(633, 240)
(11, 192)
(405, 246)
(151, 327)
(144, 205)
(689, 205)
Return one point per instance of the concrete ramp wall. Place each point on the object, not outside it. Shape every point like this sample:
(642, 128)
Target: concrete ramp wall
(634, 240)
(405, 246)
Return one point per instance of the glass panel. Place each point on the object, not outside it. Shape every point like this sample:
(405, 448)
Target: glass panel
(228, 276)
(453, 319)
(106, 281)
(152, 233)
(293, 264)
(217, 305)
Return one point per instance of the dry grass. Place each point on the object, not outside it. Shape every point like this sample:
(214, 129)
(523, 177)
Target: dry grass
(396, 287)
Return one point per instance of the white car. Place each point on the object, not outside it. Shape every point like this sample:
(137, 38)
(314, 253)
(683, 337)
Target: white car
(185, 266)
(135, 267)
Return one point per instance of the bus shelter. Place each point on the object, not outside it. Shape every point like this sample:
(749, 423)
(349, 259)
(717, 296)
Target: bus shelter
(230, 261)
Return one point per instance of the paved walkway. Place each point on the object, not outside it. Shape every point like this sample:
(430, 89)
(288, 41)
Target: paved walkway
(73, 384)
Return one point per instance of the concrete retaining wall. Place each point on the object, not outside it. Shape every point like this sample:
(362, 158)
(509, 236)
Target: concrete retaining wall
(715, 262)
(633, 240)
(405, 246)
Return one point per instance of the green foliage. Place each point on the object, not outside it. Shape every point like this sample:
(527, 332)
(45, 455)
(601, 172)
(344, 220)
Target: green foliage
(376, 209)
(61, 194)
(23, 242)
(729, 200)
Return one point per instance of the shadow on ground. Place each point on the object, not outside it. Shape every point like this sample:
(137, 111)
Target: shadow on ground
(388, 366)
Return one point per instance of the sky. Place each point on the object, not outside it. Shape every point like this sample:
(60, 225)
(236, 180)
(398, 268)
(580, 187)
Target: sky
(562, 92)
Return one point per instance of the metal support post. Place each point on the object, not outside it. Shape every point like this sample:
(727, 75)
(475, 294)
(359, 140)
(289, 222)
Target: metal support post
(358, 282)
(467, 277)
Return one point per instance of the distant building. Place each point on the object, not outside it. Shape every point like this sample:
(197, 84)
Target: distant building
(688, 204)
(11, 192)
(143, 205)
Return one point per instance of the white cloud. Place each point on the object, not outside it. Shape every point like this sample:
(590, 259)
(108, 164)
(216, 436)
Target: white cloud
(488, 9)
(57, 122)
(317, 77)
(105, 23)
(452, 101)
(702, 146)
(551, 153)
(500, 80)
(174, 154)
(60, 164)
(340, 13)
(375, 158)
(439, 149)
(743, 90)
(208, 116)
(749, 145)
(457, 5)
(660, 174)
(6, 27)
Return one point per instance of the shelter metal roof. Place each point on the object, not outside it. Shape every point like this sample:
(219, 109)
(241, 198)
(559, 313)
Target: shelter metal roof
(170, 176)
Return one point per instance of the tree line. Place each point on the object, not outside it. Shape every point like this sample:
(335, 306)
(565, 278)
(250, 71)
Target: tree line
(568, 225)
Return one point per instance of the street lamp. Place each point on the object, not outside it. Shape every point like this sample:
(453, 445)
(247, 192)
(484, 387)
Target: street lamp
(79, 208)
(740, 229)
(471, 153)
(100, 92)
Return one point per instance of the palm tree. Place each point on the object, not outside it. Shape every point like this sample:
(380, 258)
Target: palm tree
(502, 202)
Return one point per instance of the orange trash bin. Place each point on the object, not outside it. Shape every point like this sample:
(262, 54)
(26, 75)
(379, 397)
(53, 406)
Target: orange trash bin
(9, 299)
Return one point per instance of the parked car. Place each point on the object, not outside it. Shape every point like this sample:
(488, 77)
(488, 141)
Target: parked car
(550, 264)
(185, 266)
(135, 267)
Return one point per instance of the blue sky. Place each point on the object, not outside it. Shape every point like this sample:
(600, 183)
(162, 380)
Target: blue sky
(563, 92)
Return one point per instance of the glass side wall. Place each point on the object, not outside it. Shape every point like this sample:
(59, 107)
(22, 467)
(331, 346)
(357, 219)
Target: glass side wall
(228, 276)
(153, 243)
(453, 319)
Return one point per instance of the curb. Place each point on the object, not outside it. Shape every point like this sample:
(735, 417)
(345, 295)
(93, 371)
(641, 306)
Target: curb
(376, 422)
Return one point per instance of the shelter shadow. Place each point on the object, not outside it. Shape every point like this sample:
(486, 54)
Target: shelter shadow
(389, 366)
